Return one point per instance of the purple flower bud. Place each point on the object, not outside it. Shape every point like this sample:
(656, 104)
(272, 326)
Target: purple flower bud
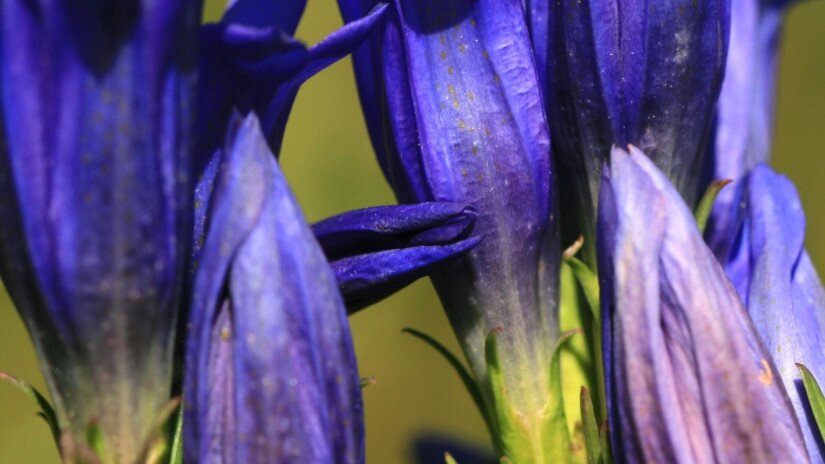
(271, 373)
(96, 200)
(770, 268)
(688, 378)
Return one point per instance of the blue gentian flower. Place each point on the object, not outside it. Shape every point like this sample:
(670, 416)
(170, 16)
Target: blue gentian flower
(271, 373)
(251, 63)
(623, 72)
(757, 228)
(688, 377)
(98, 119)
(452, 103)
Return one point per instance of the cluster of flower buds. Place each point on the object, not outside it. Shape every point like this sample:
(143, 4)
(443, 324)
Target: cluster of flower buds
(156, 254)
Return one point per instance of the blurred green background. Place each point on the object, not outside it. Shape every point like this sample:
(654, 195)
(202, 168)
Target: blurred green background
(329, 162)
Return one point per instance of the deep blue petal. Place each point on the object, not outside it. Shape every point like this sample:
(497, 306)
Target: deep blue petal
(690, 380)
(627, 71)
(779, 285)
(269, 324)
(250, 65)
(381, 227)
(464, 115)
(97, 114)
(335, 47)
(370, 277)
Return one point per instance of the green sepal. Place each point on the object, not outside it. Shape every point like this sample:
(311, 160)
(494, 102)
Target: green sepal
(604, 438)
(590, 428)
(556, 434)
(588, 282)
(157, 449)
(706, 203)
(543, 438)
(94, 438)
(46, 410)
(815, 397)
(465, 376)
(449, 459)
(176, 448)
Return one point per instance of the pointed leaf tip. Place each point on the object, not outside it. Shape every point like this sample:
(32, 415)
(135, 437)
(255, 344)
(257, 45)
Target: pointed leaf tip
(815, 398)
(46, 410)
(705, 207)
(592, 438)
(466, 378)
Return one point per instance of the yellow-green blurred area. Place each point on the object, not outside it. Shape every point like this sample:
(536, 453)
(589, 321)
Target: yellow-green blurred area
(328, 159)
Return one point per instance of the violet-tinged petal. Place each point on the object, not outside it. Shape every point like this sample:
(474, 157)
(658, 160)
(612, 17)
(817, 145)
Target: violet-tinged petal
(97, 114)
(380, 250)
(367, 65)
(269, 323)
(370, 277)
(779, 285)
(628, 71)
(689, 379)
(252, 66)
(335, 47)
(745, 117)
(464, 123)
(381, 227)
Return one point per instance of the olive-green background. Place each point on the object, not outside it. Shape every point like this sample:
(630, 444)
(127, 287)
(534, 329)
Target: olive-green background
(328, 160)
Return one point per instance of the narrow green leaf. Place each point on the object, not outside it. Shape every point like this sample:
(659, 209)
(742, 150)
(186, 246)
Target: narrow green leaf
(706, 203)
(604, 437)
(815, 397)
(156, 449)
(46, 410)
(465, 376)
(592, 439)
(449, 459)
(176, 449)
(555, 432)
(589, 283)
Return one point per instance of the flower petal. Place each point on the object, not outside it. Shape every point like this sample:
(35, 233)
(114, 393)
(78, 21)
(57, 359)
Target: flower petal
(689, 380)
(779, 285)
(97, 114)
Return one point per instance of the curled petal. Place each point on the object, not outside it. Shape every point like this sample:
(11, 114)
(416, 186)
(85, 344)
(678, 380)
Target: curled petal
(381, 227)
(368, 278)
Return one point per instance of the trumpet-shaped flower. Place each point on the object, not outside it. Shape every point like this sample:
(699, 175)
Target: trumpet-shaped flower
(623, 72)
(451, 98)
(271, 374)
(688, 378)
(97, 114)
